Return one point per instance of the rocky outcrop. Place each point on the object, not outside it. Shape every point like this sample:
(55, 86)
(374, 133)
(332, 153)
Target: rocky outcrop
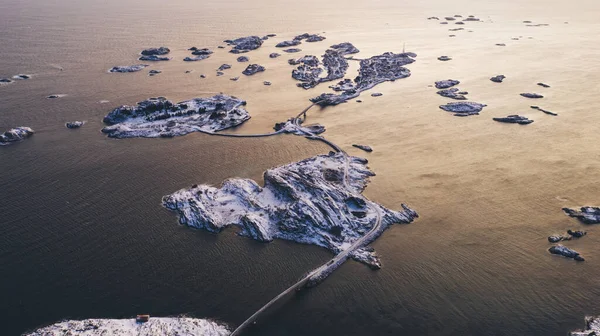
(224, 67)
(566, 252)
(15, 135)
(542, 110)
(532, 95)
(592, 327)
(543, 85)
(444, 58)
(445, 84)
(292, 50)
(287, 44)
(243, 59)
(498, 79)
(128, 68)
(586, 214)
(314, 201)
(153, 58)
(453, 93)
(199, 52)
(253, 69)
(514, 119)
(345, 48)
(129, 327)
(74, 124)
(156, 51)
(244, 44)
(309, 60)
(366, 148)
(159, 117)
(5, 80)
(274, 55)
(154, 72)
(309, 37)
(463, 109)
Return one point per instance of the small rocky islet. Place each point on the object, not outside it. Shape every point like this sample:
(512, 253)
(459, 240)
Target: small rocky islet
(74, 124)
(155, 54)
(514, 119)
(15, 135)
(128, 68)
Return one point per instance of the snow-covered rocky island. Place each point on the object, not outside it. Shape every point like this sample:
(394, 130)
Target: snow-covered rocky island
(314, 201)
(155, 326)
(159, 117)
(592, 327)
(15, 135)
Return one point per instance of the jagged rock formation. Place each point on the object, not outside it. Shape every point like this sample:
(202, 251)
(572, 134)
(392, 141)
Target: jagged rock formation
(244, 44)
(156, 51)
(159, 117)
(366, 148)
(164, 326)
(587, 214)
(532, 95)
(128, 68)
(314, 201)
(153, 58)
(373, 71)
(566, 252)
(197, 58)
(74, 124)
(243, 59)
(445, 84)
(309, 60)
(453, 93)
(514, 119)
(542, 110)
(15, 135)
(252, 69)
(592, 327)
(463, 109)
(498, 79)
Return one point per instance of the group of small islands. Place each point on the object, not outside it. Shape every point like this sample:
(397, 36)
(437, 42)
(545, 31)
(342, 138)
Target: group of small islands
(315, 201)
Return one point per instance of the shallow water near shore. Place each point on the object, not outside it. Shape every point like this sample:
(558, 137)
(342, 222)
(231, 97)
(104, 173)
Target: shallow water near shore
(83, 234)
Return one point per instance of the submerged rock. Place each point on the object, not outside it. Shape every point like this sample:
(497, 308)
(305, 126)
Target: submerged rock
(532, 95)
(203, 51)
(244, 44)
(156, 51)
(314, 201)
(453, 93)
(292, 50)
(543, 85)
(463, 109)
(154, 72)
(21, 76)
(252, 69)
(542, 110)
(498, 79)
(514, 119)
(444, 84)
(444, 58)
(274, 55)
(159, 117)
(224, 67)
(153, 58)
(74, 124)
(587, 214)
(129, 68)
(592, 324)
(267, 83)
(566, 252)
(5, 80)
(15, 135)
(129, 327)
(363, 147)
(243, 59)
(376, 94)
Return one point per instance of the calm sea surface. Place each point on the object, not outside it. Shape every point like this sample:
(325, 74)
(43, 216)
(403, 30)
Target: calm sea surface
(83, 234)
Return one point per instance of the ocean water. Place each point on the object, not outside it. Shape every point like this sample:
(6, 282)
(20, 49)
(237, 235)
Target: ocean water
(83, 234)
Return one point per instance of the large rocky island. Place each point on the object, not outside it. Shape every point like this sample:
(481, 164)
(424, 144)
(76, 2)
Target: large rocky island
(167, 326)
(159, 117)
(15, 135)
(314, 201)
(592, 327)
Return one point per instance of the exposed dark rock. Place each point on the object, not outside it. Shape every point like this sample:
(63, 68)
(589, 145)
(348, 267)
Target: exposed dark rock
(15, 135)
(363, 147)
(267, 83)
(243, 59)
(128, 68)
(74, 124)
(471, 18)
(532, 95)
(555, 238)
(444, 58)
(202, 76)
(271, 35)
(450, 18)
(159, 117)
(5, 80)
(202, 52)
(224, 67)
(433, 18)
(463, 109)
(292, 50)
(344, 85)
(274, 55)
(576, 234)
(244, 44)
(301, 202)
(444, 22)
(309, 60)
(498, 79)
(309, 37)
(235, 79)
(587, 214)
(154, 72)
(286, 44)
(542, 110)
(456, 29)
(452, 93)
(543, 85)
(220, 73)
(459, 23)
(156, 51)
(566, 252)
(376, 94)
(359, 101)
(55, 96)
(345, 48)
(252, 69)
(501, 44)
(444, 84)
(153, 58)
(221, 47)
(514, 119)
(197, 58)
